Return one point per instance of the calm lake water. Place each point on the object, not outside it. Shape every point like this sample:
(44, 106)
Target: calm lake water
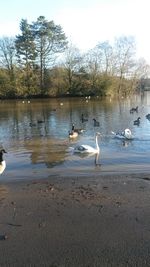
(38, 150)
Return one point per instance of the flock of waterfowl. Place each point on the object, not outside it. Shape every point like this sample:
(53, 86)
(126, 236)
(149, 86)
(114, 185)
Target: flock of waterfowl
(126, 134)
(74, 132)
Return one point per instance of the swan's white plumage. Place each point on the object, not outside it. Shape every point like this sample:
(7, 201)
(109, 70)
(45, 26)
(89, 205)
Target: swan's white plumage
(87, 148)
(126, 134)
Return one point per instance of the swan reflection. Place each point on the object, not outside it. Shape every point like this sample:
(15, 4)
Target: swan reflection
(97, 160)
(126, 143)
(87, 155)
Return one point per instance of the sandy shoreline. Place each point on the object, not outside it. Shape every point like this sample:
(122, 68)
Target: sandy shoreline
(78, 221)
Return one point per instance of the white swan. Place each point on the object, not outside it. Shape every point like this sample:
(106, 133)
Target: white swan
(126, 134)
(87, 148)
(2, 162)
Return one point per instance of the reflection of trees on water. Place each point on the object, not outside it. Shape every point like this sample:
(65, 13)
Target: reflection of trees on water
(17, 132)
(20, 120)
(48, 151)
(52, 164)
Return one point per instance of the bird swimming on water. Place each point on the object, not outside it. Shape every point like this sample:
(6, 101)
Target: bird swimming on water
(2, 161)
(78, 130)
(137, 122)
(87, 148)
(132, 110)
(126, 134)
(96, 123)
(73, 134)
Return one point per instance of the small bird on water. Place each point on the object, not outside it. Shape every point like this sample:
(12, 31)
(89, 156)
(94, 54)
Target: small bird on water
(2, 161)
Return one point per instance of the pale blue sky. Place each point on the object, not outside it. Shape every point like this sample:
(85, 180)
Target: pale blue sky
(85, 22)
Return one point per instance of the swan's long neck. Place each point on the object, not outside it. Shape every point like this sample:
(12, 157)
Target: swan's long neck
(97, 146)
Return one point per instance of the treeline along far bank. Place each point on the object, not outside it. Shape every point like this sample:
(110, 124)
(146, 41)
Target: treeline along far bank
(40, 62)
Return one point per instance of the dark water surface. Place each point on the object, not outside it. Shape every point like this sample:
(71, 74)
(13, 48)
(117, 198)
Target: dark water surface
(35, 135)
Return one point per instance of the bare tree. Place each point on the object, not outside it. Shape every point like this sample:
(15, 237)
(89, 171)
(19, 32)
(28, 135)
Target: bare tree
(72, 65)
(7, 55)
(105, 54)
(124, 50)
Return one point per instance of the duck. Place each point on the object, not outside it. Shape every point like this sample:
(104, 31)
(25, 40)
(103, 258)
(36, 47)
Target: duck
(126, 134)
(148, 116)
(40, 121)
(137, 122)
(87, 148)
(2, 161)
(132, 110)
(78, 130)
(73, 134)
(96, 123)
(32, 124)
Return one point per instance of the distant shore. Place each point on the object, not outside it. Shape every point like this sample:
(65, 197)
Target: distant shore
(101, 221)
